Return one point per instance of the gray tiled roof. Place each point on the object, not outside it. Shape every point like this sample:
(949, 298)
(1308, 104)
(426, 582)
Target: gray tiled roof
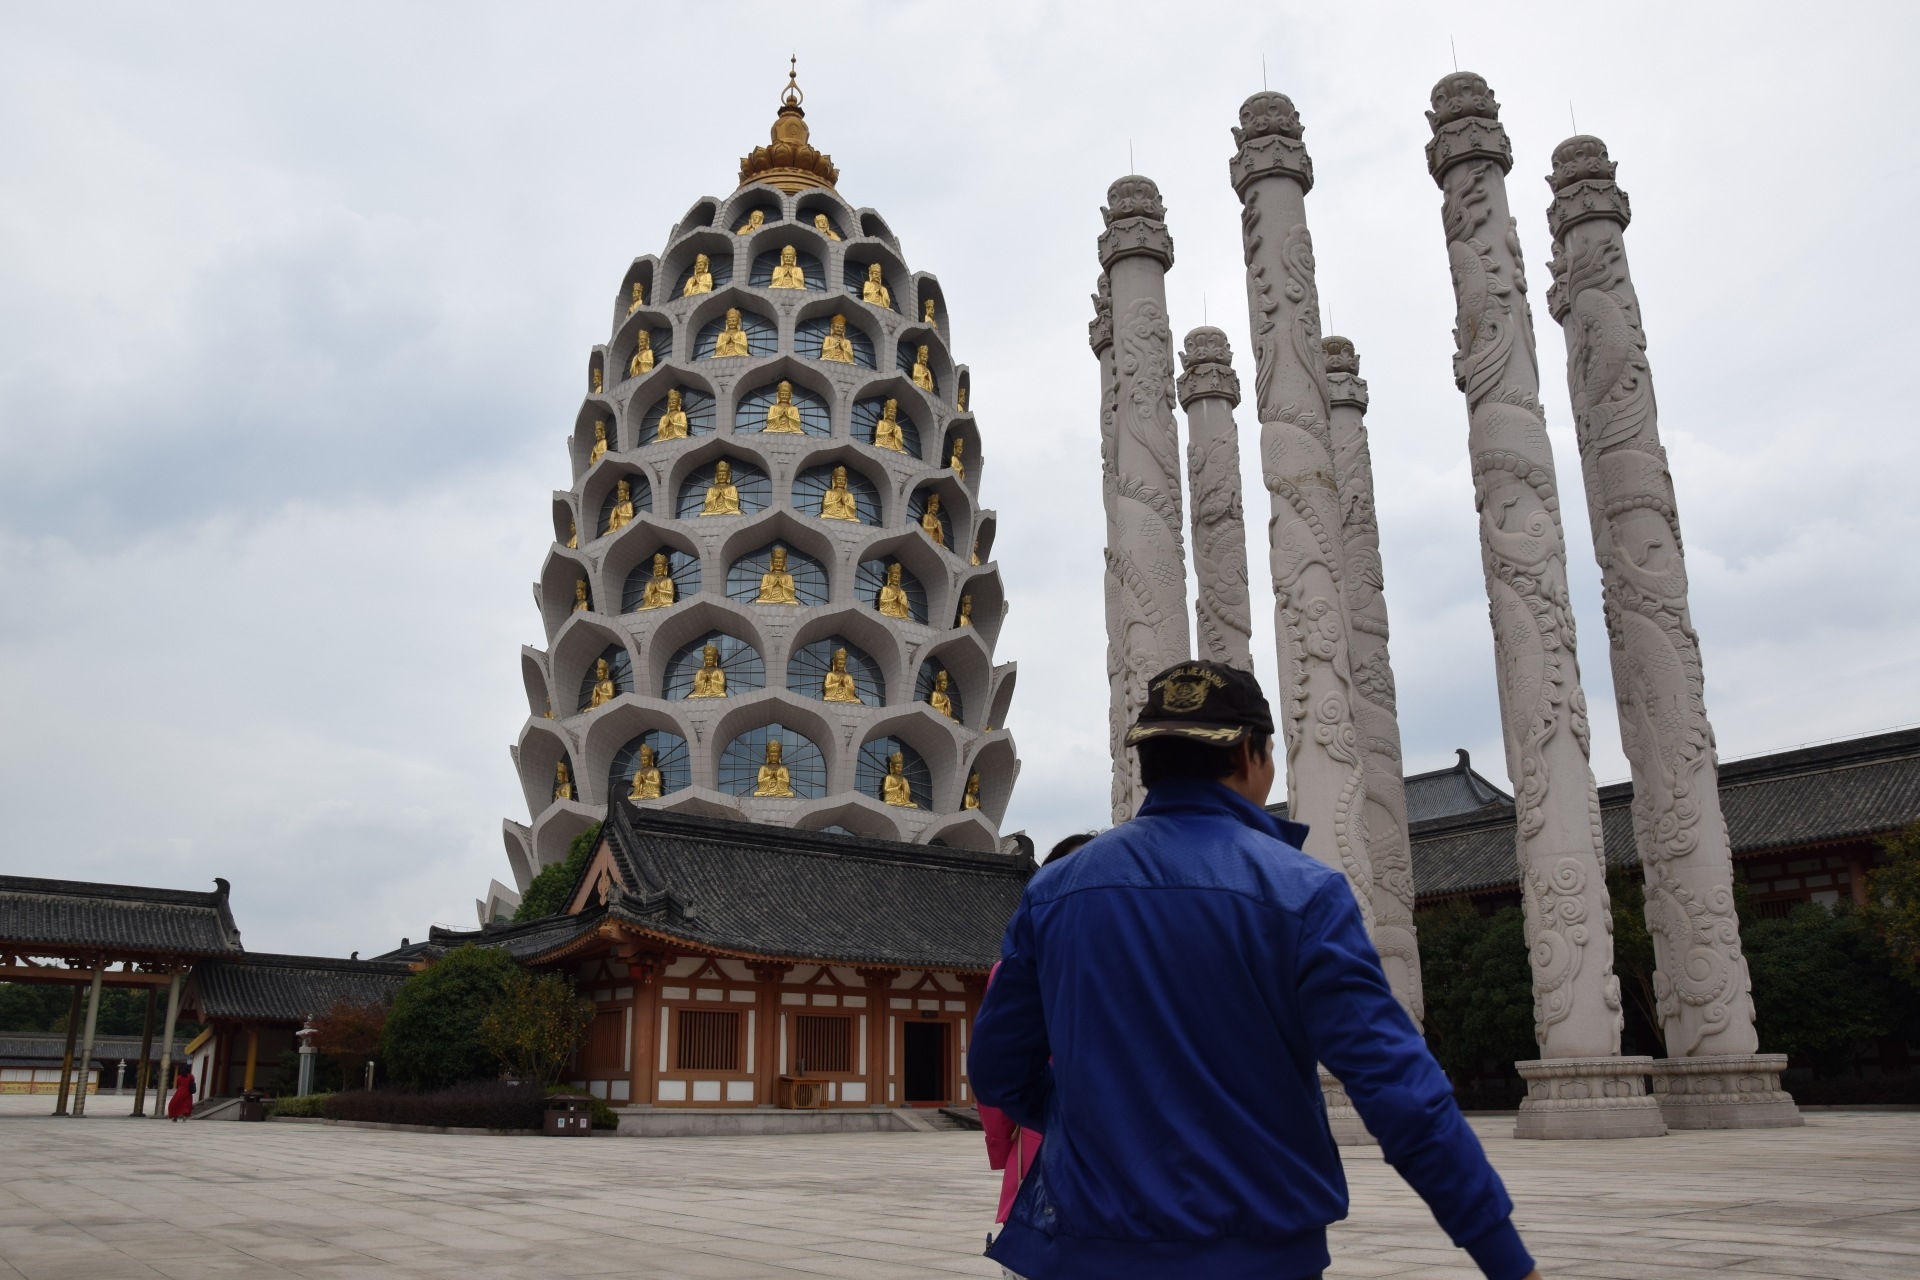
(33, 1048)
(76, 916)
(1848, 790)
(273, 988)
(786, 894)
(1444, 793)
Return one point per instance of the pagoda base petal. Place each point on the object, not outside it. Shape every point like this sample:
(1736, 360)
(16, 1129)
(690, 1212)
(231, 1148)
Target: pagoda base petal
(1724, 1091)
(1588, 1098)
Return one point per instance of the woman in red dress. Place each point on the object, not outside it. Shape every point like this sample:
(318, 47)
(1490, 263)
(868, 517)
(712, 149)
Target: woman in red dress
(180, 1105)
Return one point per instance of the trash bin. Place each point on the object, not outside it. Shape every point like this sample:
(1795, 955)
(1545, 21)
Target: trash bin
(569, 1115)
(253, 1106)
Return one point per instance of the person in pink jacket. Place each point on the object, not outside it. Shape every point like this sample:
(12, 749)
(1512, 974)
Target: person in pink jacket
(1010, 1147)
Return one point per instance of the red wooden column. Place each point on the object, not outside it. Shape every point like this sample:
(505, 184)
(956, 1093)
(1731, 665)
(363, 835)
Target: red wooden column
(643, 971)
(975, 986)
(879, 1042)
(766, 1046)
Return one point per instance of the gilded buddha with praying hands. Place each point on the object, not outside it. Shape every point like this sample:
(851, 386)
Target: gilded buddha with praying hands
(886, 432)
(776, 584)
(639, 298)
(701, 279)
(971, 800)
(723, 497)
(710, 681)
(660, 590)
(834, 343)
(647, 782)
(938, 698)
(922, 375)
(838, 686)
(673, 420)
(894, 788)
(788, 274)
(837, 503)
(957, 461)
(774, 778)
(755, 220)
(926, 314)
(642, 361)
(732, 339)
(599, 449)
(562, 782)
(603, 690)
(783, 415)
(622, 514)
(874, 289)
(580, 603)
(930, 521)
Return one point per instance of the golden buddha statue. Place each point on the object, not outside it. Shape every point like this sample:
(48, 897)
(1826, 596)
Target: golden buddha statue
(562, 782)
(938, 697)
(573, 535)
(647, 782)
(580, 604)
(774, 780)
(893, 596)
(788, 274)
(930, 521)
(783, 415)
(603, 690)
(642, 361)
(776, 584)
(599, 449)
(922, 375)
(593, 380)
(709, 681)
(971, 800)
(837, 503)
(957, 462)
(974, 556)
(839, 683)
(732, 339)
(835, 345)
(723, 499)
(660, 590)
(673, 420)
(926, 315)
(639, 299)
(874, 288)
(886, 432)
(966, 612)
(894, 788)
(622, 514)
(962, 402)
(824, 225)
(755, 220)
(701, 280)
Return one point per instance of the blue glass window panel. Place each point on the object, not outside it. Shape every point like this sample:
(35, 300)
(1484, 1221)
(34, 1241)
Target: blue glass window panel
(908, 350)
(637, 488)
(619, 666)
(917, 507)
(670, 757)
(740, 660)
(806, 340)
(741, 760)
(720, 265)
(809, 575)
(872, 576)
(681, 567)
(866, 417)
(815, 420)
(807, 671)
(856, 280)
(810, 269)
(870, 769)
(923, 687)
(763, 339)
(697, 405)
(810, 489)
(756, 491)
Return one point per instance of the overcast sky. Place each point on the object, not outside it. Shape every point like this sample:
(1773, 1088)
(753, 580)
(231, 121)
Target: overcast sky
(294, 304)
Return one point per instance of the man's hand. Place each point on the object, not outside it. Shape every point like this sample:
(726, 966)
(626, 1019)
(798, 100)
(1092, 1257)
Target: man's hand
(1532, 1275)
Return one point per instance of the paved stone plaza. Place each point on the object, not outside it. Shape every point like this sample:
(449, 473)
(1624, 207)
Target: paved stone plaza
(106, 1197)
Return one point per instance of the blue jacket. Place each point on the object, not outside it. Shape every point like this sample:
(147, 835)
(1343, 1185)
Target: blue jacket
(1164, 995)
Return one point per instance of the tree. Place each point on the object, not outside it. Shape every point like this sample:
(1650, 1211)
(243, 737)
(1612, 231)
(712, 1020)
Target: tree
(533, 1029)
(1822, 984)
(349, 1034)
(548, 892)
(1634, 963)
(432, 1037)
(1479, 990)
(1893, 902)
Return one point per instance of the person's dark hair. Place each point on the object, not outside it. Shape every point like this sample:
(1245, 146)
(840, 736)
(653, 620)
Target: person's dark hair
(1170, 757)
(1068, 845)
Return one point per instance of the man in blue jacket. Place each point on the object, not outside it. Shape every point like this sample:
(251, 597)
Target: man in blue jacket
(1163, 998)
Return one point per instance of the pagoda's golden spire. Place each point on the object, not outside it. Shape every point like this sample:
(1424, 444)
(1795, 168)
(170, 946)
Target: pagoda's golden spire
(789, 161)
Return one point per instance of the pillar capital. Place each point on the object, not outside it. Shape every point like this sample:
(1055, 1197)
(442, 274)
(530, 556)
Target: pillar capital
(1100, 328)
(1583, 186)
(1208, 362)
(1466, 125)
(1269, 144)
(1136, 223)
(1344, 383)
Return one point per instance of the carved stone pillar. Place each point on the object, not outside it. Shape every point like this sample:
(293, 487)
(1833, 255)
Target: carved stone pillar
(1374, 712)
(1580, 1087)
(1126, 772)
(1209, 390)
(1326, 778)
(1146, 553)
(1705, 1009)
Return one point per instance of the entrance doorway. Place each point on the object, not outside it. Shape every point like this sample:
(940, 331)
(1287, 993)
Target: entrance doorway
(926, 1062)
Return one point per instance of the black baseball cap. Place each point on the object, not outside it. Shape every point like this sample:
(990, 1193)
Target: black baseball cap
(1207, 702)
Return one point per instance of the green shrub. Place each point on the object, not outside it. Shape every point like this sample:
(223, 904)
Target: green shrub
(479, 1104)
(547, 894)
(432, 1037)
(1823, 983)
(534, 1027)
(303, 1108)
(1479, 992)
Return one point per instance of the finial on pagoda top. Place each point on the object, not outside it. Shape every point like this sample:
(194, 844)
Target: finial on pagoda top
(789, 161)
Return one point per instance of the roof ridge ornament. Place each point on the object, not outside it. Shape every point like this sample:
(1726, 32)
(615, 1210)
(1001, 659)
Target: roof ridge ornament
(789, 161)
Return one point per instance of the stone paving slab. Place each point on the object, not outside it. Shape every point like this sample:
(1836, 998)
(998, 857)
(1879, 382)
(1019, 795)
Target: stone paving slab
(106, 1197)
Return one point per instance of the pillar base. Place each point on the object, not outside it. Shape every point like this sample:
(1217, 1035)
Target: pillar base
(1724, 1091)
(1348, 1129)
(1588, 1098)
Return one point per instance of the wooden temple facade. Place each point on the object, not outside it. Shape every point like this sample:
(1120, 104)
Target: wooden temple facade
(735, 966)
